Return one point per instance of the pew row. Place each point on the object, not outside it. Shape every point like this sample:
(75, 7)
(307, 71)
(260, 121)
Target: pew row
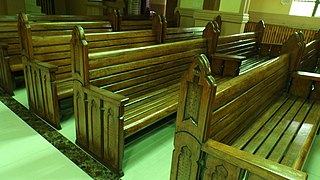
(118, 93)
(250, 127)
(173, 34)
(47, 63)
(276, 34)
(308, 58)
(10, 58)
(244, 49)
(51, 99)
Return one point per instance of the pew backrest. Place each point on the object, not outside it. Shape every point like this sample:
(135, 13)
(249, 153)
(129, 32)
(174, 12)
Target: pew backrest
(309, 60)
(30, 26)
(241, 96)
(9, 40)
(243, 44)
(276, 34)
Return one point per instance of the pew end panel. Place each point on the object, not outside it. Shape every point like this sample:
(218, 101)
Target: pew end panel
(41, 83)
(99, 113)
(309, 60)
(100, 124)
(295, 45)
(197, 92)
(6, 75)
(305, 84)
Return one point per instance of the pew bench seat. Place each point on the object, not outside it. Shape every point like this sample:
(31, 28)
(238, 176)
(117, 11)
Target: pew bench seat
(234, 65)
(258, 125)
(284, 132)
(145, 109)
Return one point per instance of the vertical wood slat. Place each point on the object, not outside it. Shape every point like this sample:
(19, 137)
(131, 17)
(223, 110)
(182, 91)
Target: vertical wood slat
(42, 93)
(80, 106)
(279, 34)
(113, 133)
(6, 77)
(99, 124)
(94, 126)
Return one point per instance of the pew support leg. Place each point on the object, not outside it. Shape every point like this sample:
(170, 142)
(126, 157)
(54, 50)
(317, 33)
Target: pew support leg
(6, 76)
(42, 91)
(102, 132)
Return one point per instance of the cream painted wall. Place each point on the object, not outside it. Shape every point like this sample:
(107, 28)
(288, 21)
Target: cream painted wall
(193, 4)
(230, 6)
(269, 6)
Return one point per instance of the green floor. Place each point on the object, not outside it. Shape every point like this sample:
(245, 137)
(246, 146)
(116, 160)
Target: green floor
(148, 157)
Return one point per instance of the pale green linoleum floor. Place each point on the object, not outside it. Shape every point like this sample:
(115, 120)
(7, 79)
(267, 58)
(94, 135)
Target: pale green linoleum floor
(146, 158)
(24, 154)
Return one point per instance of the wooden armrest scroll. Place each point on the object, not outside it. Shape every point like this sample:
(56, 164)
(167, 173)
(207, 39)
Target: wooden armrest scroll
(306, 75)
(46, 66)
(254, 164)
(109, 96)
(228, 57)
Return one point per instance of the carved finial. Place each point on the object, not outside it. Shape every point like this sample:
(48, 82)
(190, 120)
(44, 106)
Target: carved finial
(218, 20)
(78, 34)
(177, 17)
(294, 46)
(157, 27)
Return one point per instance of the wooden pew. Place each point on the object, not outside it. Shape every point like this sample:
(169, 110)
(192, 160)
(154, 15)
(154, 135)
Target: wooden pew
(45, 48)
(134, 22)
(118, 93)
(238, 53)
(51, 99)
(10, 58)
(173, 34)
(309, 58)
(276, 34)
(248, 127)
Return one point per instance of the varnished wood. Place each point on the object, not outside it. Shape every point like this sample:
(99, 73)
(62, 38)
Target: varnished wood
(252, 113)
(241, 47)
(48, 41)
(148, 76)
(10, 58)
(45, 47)
(262, 167)
(278, 34)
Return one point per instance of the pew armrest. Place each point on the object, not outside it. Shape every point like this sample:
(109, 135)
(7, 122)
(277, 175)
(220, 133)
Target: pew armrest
(227, 57)
(254, 164)
(306, 76)
(109, 96)
(44, 66)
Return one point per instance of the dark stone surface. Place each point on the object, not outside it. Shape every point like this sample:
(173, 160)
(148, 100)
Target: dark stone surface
(69, 149)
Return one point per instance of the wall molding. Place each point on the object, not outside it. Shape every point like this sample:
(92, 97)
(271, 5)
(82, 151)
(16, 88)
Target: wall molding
(301, 22)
